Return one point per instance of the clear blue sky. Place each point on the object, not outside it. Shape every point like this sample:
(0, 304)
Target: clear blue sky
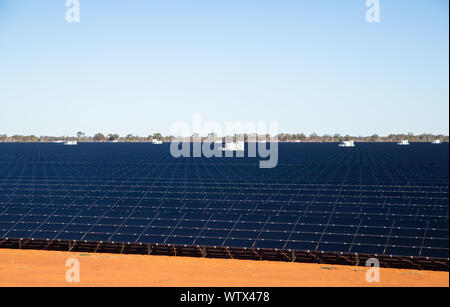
(138, 66)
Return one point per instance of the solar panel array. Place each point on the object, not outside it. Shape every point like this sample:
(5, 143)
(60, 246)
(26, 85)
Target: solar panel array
(372, 199)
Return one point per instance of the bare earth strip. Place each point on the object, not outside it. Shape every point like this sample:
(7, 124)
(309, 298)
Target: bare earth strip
(47, 268)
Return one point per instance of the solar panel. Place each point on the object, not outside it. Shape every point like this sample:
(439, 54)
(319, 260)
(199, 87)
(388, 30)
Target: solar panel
(375, 199)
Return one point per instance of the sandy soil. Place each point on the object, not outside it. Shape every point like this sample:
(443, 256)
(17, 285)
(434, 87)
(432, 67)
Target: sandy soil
(46, 268)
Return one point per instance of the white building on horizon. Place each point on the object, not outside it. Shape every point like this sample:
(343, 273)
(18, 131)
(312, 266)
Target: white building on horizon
(347, 144)
(239, 146)
(71, 143)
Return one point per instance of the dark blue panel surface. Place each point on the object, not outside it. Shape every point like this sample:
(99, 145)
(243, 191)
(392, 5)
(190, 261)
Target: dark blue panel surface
(376, 198)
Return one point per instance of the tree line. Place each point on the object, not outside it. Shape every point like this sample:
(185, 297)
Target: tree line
(282, 137)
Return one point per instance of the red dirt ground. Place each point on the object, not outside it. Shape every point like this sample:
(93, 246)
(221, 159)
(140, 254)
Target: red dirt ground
(47, 268)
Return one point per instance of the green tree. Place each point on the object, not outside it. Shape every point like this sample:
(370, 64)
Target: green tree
(80, 135)
(130, 138)
(99, 137)
(314, 137)
(157, 136)
(113, 137)
(374, 138)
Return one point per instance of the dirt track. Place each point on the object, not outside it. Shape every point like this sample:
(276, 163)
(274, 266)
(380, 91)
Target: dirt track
(43, 268)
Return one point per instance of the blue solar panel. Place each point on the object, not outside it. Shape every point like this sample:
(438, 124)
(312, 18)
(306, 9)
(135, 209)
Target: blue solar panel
(373, 199)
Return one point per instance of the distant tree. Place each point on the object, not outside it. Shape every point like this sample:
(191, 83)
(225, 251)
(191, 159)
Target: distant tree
(337, 138)
(282, 137)
(287, 138)
(130, 138)
(374, 138)
(194, 138)
(80, 135)
(157, 136)
(113, 137)
(99, 137)
(314, 137)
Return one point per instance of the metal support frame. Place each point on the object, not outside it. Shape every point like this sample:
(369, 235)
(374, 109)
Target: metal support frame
(229, 254)
(317, 258)
(256, 254)
(149, 249)
(421, 263)
(98, 245)
(203, 251)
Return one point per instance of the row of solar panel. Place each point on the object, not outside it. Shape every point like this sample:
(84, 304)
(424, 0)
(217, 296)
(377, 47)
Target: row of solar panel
(431, 229)
(291, 174)
(11, 213)
(346, 158)
(317, 217)
(338, 211)
(298, 174)
(341, 216)
(204, 164)
(288, 221)
(234, 199)
(159, 194)
(379, 207)
(118, 189)
(415, 192)
(422, 250)
(376, 235)
(211, 183)
(438, 183)
(202, 182)
(241, 195)
(39, 197)
(233, 210)
(215, 183)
